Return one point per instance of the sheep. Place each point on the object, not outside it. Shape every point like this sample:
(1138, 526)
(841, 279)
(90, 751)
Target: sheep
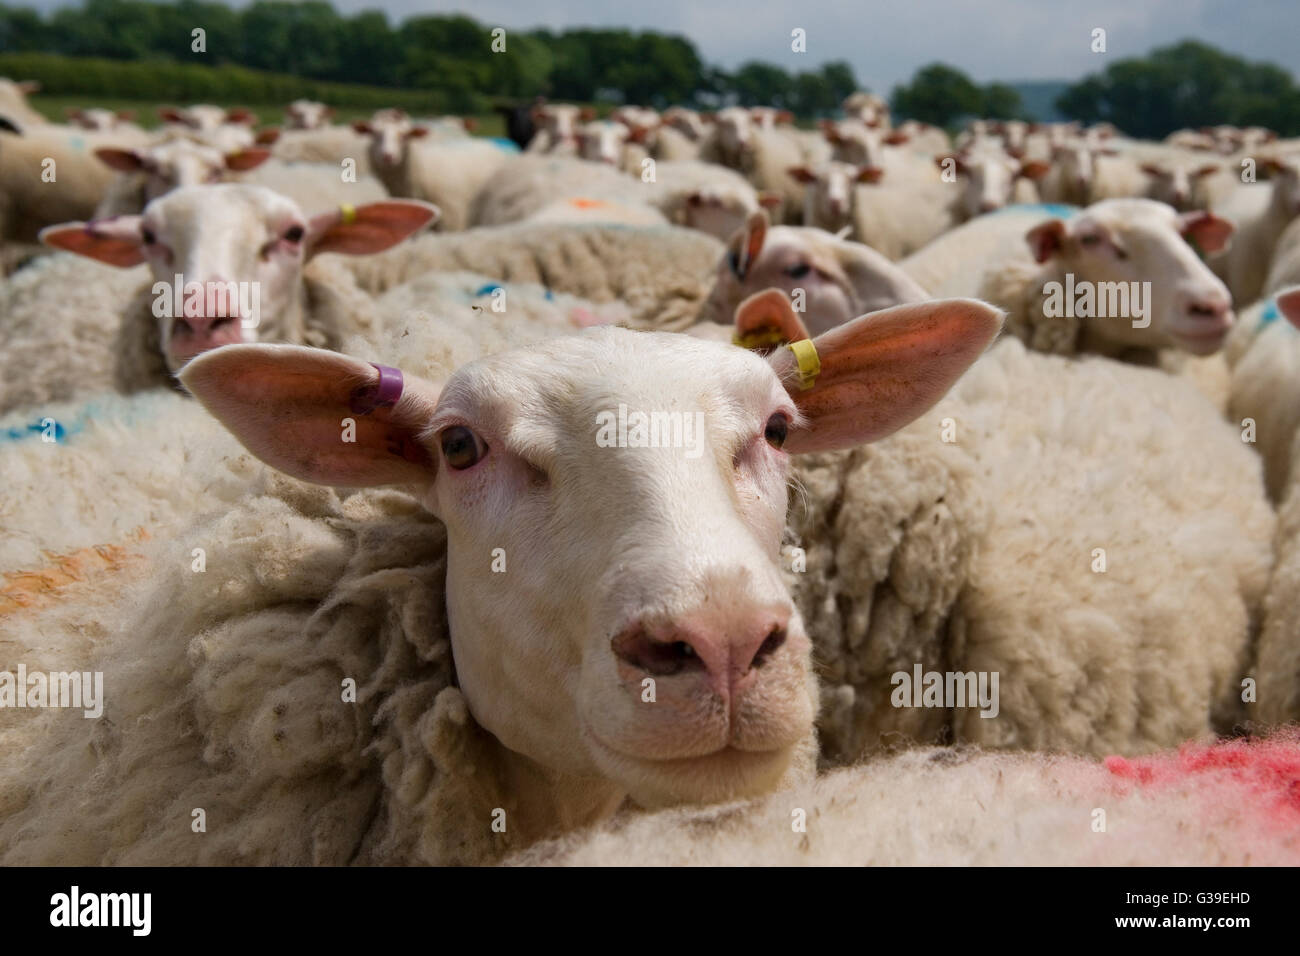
(526, 184)
(867, 108)
(307, 114)
(1277, 666)
(990, 180)
(150, 171)
(449, 173)
(556, 127)
(1200, 806)
(679, 136)
(959, 555)
(1261, 214)
(1012, 259)
(662, 275)
(228, 130)
(767, 159)
(1076, 179)
(239, 251)
(322, 144)
(839, 280)
(414, 768)
(894, 219)
(14, 105)
(855, 142)
(1186, 182)
(1265, 389)
(105, 121)
(1284, 270)
(703, 196)
(48, 175)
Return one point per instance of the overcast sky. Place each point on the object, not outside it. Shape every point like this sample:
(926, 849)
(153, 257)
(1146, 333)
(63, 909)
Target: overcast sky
(886, 42)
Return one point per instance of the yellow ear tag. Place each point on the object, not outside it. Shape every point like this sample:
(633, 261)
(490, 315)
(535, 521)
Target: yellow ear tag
(810, 365)
(759, 339)
(349, 213)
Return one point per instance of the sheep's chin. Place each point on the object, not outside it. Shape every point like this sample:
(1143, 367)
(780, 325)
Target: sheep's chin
(724, 775)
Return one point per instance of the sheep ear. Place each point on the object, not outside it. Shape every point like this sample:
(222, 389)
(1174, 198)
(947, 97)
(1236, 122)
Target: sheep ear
(1046, 240)
(801, 174)
(115, 242)
(367, 229)
(883, 370)
(268, 136)
(10, 126)
(241, 116)
(317, 415)
(362, 127)
(417, 132)
(245, 159)
(1034, 169)
(767, 319)
(1207, 231)
(747, 243)
(1288, 303)
(870, 174)
(170, 114)
(123, 160)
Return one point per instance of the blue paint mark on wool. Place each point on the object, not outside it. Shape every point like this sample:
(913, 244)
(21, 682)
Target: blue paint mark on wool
(488, 289)
(1058, 210)
(1270, 313)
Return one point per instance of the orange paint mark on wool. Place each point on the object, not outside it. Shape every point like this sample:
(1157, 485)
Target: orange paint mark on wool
(30, 590)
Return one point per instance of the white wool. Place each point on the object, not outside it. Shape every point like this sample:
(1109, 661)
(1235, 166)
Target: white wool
(27, 202)
(315, 187)
(327, 144)
(446, 172)
(957, 808)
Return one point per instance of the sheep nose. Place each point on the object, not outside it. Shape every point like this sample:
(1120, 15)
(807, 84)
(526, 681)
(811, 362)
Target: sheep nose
(1214, 306)
(724, 653)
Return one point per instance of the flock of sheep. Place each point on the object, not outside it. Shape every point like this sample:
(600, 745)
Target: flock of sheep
(1036, 393)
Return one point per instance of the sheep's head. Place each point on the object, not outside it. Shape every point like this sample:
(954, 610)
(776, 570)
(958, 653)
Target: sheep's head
(559, 121)
(1175, 182)
(390, 132)
(839, 280)
(987, 177)
(602, 142)
(861, 145)
(181, 161)
(830, 188)
(231, 256)
(1283, 171)
(1116, 246)
(307, 114)
(614, 504)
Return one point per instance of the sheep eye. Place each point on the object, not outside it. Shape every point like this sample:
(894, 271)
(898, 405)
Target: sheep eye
(733, 260)
(148, 237)
(1090, 240)
(798, 271)
(461, 447)
(294, 233)
(776, 429)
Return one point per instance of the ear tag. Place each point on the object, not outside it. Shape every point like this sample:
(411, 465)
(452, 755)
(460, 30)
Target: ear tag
(810, 365)
(382, 394)
(349, 214)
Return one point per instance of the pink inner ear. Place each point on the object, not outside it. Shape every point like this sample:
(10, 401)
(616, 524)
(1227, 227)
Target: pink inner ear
(1209, 232)
(1045, 240)
(1288, 303)
(114, 250)
(247, 159)
(769, 311)
(374, 228)
(123, 160)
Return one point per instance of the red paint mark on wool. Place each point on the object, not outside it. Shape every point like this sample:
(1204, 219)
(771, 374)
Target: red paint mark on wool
(1267, 772)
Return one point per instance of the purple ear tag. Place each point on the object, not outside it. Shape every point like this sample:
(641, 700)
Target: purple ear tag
(382, 394)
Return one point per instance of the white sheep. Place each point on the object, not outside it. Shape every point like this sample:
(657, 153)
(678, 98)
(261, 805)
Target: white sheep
(228, 130)
(1226, 805)
(1265, 396)
(150, 171)
(14, 105)
(307, 114)
(556, 127)
(448, 173)
(1277, 667)
(105, 121)
(832, 280)
(401, 771)
(1067, 276)
(1261, 212)
(238, 251)
(322, 144)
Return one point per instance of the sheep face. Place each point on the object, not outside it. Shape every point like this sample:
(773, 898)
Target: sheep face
(1284, 173)
(602, 142)
(1175, 183)
(228, 258)
(616, 607)
(829, 193)
(1137, 240)
(390, 132)
(734, 129)
(559, 122)
(180, 162)
(307, 114)
(831, 281)
(988, 179)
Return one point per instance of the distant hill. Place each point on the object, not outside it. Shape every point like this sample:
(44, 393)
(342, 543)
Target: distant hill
(1039, 96)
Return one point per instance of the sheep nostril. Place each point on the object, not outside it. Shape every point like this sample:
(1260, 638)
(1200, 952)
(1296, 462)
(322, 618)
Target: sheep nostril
(769, 646)
(660, 658)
